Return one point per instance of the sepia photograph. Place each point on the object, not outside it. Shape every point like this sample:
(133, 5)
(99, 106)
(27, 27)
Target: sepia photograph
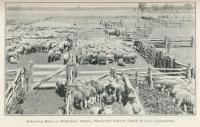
(115, 59)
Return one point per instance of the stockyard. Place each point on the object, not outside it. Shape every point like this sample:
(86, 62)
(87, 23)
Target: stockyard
(136, 60)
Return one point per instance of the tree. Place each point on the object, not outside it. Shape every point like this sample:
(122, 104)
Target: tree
(141, 6)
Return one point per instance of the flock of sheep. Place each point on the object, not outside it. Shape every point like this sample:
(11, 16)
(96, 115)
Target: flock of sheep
(181, 90)
(85, 94)
(54, 49)
(105, 53)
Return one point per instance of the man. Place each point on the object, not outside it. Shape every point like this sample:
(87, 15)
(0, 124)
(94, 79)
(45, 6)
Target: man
(108, 97)
(131, 107)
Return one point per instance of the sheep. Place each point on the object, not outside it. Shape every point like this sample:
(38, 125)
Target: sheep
(120, 62)
(14, 55)
(66, 45)
(60, 87)
(66, 57)
(185, 98)
(13, 60)
(61, 47)
(9, 48)
(93, 93)
(86, 96)
(57, 54)
(101, 58)
(110, 58)
(99, 89)
(165, 84)
(87, 91)
(20, 50)
(51, 55)
(27, 48)
(130, 58)
(53, 45)
(47, 45)
(77, 99)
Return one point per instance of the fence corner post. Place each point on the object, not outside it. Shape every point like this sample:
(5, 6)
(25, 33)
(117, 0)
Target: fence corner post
(188, 71)
(150, 78)
(30, 76)
(113, 72)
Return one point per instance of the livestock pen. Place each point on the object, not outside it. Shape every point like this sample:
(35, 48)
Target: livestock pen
(140, 76)
(135, 74)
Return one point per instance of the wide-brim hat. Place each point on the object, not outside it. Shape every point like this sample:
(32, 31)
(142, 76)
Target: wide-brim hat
(109, 86)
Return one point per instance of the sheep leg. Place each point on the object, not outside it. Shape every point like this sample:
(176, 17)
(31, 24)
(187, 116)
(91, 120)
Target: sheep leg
(81, 105)
(94, 99)
(85, 103)
(185, 108)
(88, 103)
(97, 98)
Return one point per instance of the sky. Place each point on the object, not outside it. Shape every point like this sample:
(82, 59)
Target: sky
(87, 5)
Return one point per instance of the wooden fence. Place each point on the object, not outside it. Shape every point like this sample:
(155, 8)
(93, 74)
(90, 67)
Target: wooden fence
(44, 75)
(173, 42)
(155, 57)
(14, 89)
(166, 22)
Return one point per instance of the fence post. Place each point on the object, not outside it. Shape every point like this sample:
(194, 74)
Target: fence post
(159, 59)
(192, 73)
(168, 45)
(140, 46)
(30, 76)
(192, 41)
(174, 63)
(126, 31)
(67, 74)
(153, 55)
(188, 71)
(150, 78)
(22, 73)
(76, 70)
(165, 61)
(136, 78)
(65, 107)
(171, 62)
(113, 72)
(165, 41)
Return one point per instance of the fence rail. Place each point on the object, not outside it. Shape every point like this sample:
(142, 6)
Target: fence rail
(14, 88)
(174, 42)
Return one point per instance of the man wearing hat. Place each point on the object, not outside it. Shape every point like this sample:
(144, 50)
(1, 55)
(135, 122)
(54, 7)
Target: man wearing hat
(131, 107)
(109, 94)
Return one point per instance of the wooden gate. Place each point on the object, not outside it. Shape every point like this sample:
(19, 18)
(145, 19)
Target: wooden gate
(44, 76)
(14, 89)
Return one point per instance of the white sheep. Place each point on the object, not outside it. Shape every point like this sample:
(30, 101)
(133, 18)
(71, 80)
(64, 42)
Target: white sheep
(184, 97)
(66, 57)
(13, 60)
